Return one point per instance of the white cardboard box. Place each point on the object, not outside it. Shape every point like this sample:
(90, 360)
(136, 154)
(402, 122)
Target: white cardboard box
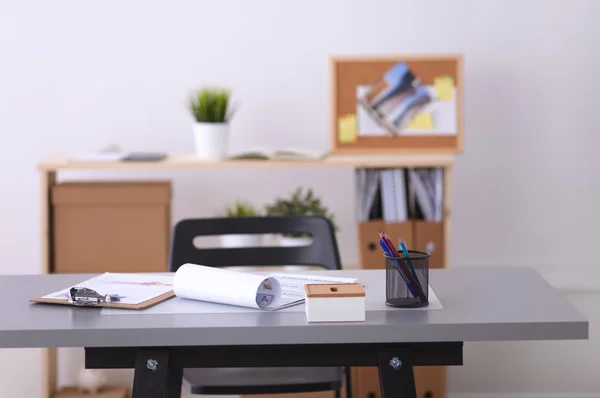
(344, 302)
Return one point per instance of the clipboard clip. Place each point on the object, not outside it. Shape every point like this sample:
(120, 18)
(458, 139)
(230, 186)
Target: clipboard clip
(82, 296)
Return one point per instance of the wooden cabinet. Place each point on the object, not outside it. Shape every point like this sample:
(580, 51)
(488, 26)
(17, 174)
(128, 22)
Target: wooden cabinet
(429, 236)
(111, 226)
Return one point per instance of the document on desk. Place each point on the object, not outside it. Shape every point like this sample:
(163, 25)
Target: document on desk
(267, 292)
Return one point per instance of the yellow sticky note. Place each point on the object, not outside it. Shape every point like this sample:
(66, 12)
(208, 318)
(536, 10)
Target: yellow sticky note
(347, 128)
(444, 86)
(422, 121)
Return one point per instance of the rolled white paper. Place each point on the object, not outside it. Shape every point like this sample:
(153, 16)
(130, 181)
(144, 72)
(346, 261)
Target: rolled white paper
(198, 282)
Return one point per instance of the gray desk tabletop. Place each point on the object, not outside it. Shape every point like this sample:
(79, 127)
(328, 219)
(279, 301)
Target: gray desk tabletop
(480, 304)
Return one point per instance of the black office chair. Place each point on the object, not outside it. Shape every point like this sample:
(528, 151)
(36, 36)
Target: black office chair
(323, 252)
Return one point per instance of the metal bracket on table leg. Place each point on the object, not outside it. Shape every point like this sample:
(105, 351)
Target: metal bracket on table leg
(396, 374)
(155, 377)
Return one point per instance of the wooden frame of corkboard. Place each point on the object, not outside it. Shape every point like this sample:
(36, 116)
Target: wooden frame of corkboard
(347, 72)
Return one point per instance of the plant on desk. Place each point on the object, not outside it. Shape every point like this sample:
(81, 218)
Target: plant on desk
(212, 112)
(300, 203)
(241, 209)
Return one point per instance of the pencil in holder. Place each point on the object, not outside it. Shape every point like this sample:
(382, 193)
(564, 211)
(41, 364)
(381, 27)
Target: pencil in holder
(407, 280)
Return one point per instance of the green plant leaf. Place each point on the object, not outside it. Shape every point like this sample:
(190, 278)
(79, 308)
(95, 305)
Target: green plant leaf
(300, 203)
(241, 209)
(210, 105)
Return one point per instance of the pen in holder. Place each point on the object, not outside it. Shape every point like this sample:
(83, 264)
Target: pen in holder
(407, 280)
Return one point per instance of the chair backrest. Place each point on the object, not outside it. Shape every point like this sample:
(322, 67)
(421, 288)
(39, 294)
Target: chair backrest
(323, 251)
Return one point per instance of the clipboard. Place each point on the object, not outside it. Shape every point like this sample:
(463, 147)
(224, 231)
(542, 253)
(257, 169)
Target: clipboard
(113, 290)
(141, 306)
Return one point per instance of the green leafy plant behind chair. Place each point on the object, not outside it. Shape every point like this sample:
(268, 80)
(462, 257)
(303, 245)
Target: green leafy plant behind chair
(241, 209)
(300, 203)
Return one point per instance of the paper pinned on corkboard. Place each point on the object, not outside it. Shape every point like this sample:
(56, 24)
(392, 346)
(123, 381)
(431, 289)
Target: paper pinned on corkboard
(444, 88)
(347, 128)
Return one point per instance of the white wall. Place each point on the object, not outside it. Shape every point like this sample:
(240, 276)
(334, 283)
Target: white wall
(77, 75)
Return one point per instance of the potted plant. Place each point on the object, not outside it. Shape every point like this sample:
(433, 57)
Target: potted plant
(299, 203)
(241, 209)
(210, 108)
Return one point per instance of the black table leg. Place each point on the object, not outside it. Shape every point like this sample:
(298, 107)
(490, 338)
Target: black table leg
(154, 376)
(348, 372)
(396, 374)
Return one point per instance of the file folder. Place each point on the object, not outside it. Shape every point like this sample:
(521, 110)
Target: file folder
(371, 256)
(429, 236)
(397, 230)
(430, 381)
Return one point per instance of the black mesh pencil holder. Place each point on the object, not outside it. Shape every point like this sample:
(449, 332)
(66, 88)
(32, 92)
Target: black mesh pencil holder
(407, 280)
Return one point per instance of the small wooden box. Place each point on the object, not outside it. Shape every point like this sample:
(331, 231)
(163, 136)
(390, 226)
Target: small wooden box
(343, 302)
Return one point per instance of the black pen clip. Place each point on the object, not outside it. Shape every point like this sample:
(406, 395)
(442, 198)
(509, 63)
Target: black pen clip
(82, 296)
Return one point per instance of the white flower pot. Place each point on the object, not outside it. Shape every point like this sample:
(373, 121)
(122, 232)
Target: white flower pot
(211, 140)
(288, 241)
(241, 240)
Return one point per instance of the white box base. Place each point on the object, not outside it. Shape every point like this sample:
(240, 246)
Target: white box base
(335, 309)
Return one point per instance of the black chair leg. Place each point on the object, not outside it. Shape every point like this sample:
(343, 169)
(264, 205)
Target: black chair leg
(348, 382)
(338, 393)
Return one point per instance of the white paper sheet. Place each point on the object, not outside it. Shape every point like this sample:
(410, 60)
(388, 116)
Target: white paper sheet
(198, 282)
(131, 288)
(292, 285)
(177, 306)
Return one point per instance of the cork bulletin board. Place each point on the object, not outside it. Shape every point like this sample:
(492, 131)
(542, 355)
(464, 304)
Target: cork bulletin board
(397, 104)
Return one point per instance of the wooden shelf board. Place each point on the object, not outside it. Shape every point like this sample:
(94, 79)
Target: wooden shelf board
(108, 392)
(187, 161)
